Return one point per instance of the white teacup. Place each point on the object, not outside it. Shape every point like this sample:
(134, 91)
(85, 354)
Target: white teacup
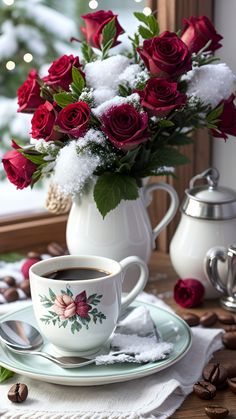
(79, 316)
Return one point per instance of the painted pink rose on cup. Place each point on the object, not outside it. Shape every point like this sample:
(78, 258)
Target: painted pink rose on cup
(64, 306)
(166, 55)
(125, 126)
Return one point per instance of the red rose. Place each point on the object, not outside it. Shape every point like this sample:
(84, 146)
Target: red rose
(166, 55)
(94, 24)
(188, 292)
(73, 119)
(82, 307)
(29, 94)
(27, 265)
(125, 126)
(43, 123)
(227, 120)
(198, 31)
(60, 72)
(161, 96)
(18, 168)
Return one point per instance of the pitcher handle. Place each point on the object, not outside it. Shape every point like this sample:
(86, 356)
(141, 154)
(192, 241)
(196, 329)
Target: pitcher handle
(174, 204)
(211, 267)
(142, 280)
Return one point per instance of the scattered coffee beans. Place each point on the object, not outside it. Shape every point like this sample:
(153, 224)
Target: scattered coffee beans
(204, 390)
(11, 294)
(25, 287)
(208, 319)
(55, 249)
(215, 373)
(229, 340)
(9, 280)
(18, 393)
(226, 319)
(216, 412)
(232, 384)
(33, 255)
(191, 319)
(230, 328)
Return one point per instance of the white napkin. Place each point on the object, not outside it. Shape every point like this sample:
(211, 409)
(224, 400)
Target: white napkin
(152, 397)
(137, 339)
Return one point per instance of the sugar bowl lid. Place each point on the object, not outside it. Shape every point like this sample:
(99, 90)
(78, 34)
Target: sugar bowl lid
(209, 201)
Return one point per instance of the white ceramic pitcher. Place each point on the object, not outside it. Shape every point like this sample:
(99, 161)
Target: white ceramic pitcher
(125, 231)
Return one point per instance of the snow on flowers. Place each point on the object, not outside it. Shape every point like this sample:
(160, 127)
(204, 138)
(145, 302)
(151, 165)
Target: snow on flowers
(112, 119)
(76, 312)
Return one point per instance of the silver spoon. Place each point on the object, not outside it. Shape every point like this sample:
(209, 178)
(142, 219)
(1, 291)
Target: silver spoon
(22, 338)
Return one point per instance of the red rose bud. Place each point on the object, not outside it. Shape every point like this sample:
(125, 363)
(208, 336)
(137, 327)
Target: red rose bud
(26, 266)
(125, 126)
(226, 124)
(73, 119)
(94, 24)
(188, 292)
(18, 168)
(161, 96)
(60, 72)
(166, 55)
(29, 94)
(198, 31)
(42, 123)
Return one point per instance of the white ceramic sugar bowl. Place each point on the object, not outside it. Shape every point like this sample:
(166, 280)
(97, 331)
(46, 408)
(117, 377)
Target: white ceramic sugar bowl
(208, 219)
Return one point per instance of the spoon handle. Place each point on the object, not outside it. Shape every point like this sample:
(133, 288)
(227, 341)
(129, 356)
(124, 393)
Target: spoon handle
(63, 362)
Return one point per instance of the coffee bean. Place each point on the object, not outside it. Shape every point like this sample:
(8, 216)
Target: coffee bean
(33, 255)
(18, 393)
(11, 294)
(208, 319)
(230, 328)
(216, 412)
(226, 318)
(55, 249)
(25, 287)
(9, 280)
(191, 319)
(232, 384)
(204, 390)
(229, 340)
(215, 373)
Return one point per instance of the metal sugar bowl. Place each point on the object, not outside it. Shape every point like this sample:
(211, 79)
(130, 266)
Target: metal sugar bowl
(208, 220)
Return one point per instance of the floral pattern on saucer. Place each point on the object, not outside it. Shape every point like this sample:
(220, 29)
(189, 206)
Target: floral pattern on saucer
(65, 309)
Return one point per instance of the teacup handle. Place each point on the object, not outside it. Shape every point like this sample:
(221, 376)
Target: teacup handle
(174, 204)
(139, 286)
(214, 255)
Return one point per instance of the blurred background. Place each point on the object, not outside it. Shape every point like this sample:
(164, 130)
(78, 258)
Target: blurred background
(33, 33)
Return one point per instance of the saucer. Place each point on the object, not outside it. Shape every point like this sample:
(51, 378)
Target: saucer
(171, 328)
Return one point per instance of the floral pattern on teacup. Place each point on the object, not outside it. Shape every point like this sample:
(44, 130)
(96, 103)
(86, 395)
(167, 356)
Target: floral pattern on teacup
(65, 309)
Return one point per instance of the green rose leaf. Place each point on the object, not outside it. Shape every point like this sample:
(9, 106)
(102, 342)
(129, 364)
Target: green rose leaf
(78, 81)
(5, 374)
(63, 99)
(111, 188)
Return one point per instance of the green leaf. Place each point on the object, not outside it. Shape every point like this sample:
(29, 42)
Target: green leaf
(153, 25)
(78, 80)
(36, 159)
(63, 99)
(214, 115)
(108, 32)
(167, 156)
(145, 33)
(5, 374)
(111, 188)
(52, 295)
(124, 91)
(165, 123)
(11, 257)
(141, 17)
(88, 53)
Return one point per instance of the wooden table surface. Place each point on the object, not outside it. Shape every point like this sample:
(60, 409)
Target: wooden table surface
(162, 280)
